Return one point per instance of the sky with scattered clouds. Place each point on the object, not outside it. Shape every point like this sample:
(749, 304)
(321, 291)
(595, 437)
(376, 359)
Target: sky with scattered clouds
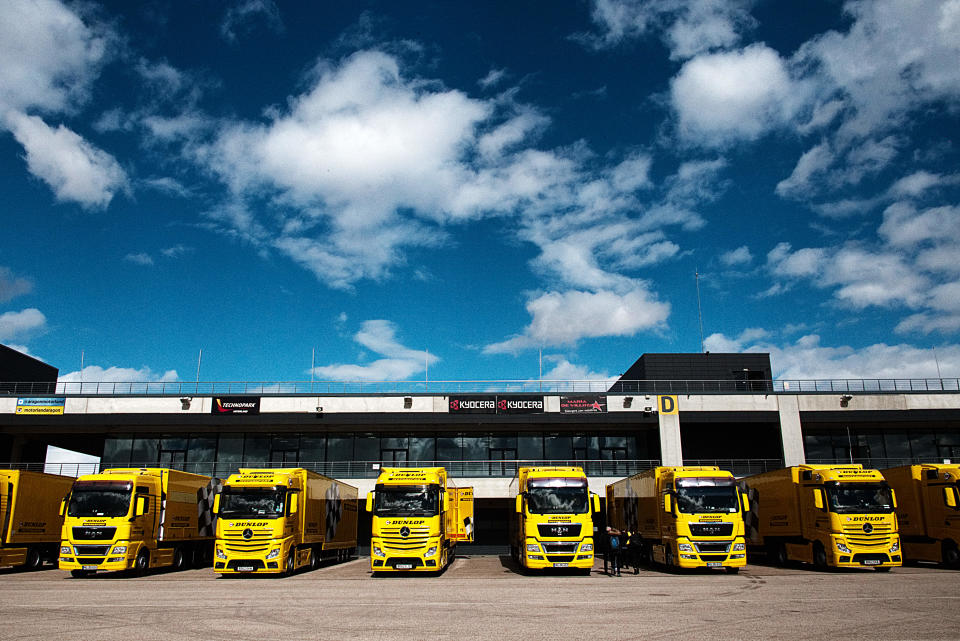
(382, 190)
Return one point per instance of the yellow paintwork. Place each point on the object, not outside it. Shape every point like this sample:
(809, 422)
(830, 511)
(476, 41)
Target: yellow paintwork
(784, 511)
(170, 493)
(929, 526)
(635, 505)
(30, 514)
(525, 531)
(410, 539)
(271, 542)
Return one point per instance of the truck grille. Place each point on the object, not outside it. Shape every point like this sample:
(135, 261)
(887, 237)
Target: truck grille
(89, 560)
(391, 539)
(413, 562)
(557, 530)
(259, 540)
(256, 564)
(879, 537)
(555, 548)
(92, 550)
(713, 558)
(711, 529)
(559, 558)
(719, 546)
(94, 533)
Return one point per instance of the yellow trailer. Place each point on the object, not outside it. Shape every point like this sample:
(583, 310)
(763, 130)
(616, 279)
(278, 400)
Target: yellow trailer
(419, 516)
(928, 510)
(827, 515)
(30, 518)
(276, 521)
(687, 517)
(552, 525)
(138, 518)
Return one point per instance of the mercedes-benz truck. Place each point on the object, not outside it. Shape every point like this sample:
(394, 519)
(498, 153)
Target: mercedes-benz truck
(928, 511)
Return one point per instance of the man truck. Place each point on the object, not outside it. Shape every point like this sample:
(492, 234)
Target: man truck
(828, 515)
(276, 521)
(30, 521)
(418, 517)
(137, 518)
(928, 510)
(686, 517)
(553, 518)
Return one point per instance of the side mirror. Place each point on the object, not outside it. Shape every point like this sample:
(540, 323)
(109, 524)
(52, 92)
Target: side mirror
(294, 503)
(216, 504)
(667, 503)
(369, 501)
(950, 497)
(817, 499)
(746, 502)
(893, 498)
(519, 504)
(141, 508)
(63, 506)
(596, 504)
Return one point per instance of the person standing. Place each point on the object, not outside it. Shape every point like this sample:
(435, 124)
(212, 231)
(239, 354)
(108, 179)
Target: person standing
(614, 544)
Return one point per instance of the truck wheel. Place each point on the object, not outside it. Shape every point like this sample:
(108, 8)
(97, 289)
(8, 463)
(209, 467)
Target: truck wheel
(669, 560)
(142, 564)
(819, 556)
(179, 559)
(33, 560)
(315, 558)
(291, 563)
(79, 574)
(779, 554)
(950, 554)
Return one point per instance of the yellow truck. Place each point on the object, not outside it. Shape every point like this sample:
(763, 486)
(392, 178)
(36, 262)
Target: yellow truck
(137, 518)
(928, 510)
(828, 515)
(418, 517)
(687, 517)
(553, 518)
(275, 521)
(30, 518)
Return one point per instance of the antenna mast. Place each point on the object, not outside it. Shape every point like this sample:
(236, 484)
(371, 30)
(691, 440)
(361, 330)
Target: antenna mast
(696, 274)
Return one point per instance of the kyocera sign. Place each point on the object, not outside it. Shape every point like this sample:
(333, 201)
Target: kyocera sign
(490, 404)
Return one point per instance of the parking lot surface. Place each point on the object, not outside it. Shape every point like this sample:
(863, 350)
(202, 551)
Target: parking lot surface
(484, 597)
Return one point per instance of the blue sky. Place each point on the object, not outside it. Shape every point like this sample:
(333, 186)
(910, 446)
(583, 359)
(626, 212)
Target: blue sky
(465, 185)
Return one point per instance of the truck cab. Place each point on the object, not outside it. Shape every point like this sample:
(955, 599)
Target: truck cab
(928, 511)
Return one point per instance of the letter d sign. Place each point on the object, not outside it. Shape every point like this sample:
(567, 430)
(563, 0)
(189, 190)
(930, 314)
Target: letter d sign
(668, 404)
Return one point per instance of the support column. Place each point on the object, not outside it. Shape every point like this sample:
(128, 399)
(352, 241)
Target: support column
(670, 451)
(791, 433)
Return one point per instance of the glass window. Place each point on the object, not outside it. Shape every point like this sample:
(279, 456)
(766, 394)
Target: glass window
(256, 448)
(285, 442)
(475, 448)
(202, 448)
(340, 448)
(422, 448)
(503, 441)
(116, 450)
(817, 446)
(366, 447)
(530, 447)
(313, 449)
(924, 446)
(448, 449)
(230, 448)
(168, 443)
(144, 450)
(393, 443)
(897, 445)
(557, 448)
(948, 438)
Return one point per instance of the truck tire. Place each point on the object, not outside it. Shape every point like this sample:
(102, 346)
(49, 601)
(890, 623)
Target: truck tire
(780, 555)
(33, 560)
(179, 558)
(80, 574)
(819, 556)
(315, 558)
(142, 564)
(291, 564)
(950, 554)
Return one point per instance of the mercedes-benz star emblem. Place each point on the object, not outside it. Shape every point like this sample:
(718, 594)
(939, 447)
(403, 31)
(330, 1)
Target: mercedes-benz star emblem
(867, 528)
(404, 531)
(248, 534)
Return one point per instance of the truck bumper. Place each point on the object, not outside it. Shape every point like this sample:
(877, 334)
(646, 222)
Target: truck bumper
(535, 561)
(12, 557)
(857, 556)
(100, 563)
(733, 560)
(384, 559)
(227, 561)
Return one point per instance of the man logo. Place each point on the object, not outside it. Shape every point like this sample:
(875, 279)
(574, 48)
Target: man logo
(867, 528)
(404, 531)
(247, 534)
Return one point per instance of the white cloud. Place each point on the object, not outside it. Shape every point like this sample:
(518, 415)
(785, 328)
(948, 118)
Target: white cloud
(919, 182)
(48, 56)
(73, 168)
(379, 336)
(493, 78)
(739, 256)
(737, 95)
(21, 324)
(95, 373)
(560, 318)
(12, 285)
(139, 258)
(564, 370)
(241, 15)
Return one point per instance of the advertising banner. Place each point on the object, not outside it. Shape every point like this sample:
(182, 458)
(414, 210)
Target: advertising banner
(519, 404)
(46, 406)
(583, 404)
(235, 405)
(473, 404)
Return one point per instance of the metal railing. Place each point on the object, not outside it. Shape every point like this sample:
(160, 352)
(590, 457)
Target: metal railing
(879, 463)
(327, 388)
(740, 467)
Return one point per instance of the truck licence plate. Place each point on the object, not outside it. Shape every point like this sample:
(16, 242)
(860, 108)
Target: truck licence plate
(244, 568)
(90, 567)
(871, 562)
(714, 564)
(561, 565)
(404, 566)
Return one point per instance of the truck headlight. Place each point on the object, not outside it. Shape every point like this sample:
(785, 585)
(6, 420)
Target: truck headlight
(895, 547)
(221, 554)
(533, 547)
(843, 548)
(586, 547)
(378, 552)
(272, 554)
(431, 551)
(685, 547)
(119, 549)
(739, 547)
(66, 549)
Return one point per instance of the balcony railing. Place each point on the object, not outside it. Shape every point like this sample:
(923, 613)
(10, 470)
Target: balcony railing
(332, 388)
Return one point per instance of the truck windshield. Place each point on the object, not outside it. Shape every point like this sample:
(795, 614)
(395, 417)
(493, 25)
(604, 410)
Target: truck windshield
(419, 500)
(558, 496)
(858, 498)
(699, 499)
(107, 499)
(241, 503)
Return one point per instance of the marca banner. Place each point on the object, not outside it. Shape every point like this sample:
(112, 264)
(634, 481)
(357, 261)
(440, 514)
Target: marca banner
(583, 404)
(235, 405)
(45, 406)
(492, 404)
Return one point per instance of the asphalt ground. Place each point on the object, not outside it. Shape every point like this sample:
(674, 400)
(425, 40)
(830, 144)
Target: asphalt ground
(484, 597)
